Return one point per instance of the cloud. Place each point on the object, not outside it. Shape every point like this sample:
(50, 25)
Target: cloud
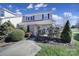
(53, 9)
(10, 6)
(72, 18)
(45, 5)
(58, 19)
(18, 12)
(67, 14)
(30, 6)
(40, 5)
(37, 6)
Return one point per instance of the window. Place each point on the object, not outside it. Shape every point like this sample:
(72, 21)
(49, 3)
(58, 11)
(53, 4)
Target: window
(38, 17)
(28, 18)
(31, 18)
(45, 16)
(23, 19)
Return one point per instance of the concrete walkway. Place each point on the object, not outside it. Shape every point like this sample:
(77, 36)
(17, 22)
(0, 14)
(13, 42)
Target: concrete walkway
(22, 48)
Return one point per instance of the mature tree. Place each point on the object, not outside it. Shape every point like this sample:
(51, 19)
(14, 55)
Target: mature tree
(8, 23)
(66, 33)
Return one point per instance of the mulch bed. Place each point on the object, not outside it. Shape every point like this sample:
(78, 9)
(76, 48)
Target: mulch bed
(48, 39)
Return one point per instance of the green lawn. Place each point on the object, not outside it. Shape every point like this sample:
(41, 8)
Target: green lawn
(59, 50)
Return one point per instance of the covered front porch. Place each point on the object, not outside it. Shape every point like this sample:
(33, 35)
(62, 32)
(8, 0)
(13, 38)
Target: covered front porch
(37, 29)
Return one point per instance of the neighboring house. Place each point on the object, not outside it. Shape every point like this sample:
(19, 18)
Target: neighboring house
(6, 15)
(37, 21)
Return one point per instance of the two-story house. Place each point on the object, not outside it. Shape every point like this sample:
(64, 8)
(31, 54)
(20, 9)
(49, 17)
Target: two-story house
(37, 21)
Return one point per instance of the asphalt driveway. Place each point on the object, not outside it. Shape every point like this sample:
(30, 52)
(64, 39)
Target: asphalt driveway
(21, 48)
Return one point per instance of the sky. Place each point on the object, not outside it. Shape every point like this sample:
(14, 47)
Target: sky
(60, 11)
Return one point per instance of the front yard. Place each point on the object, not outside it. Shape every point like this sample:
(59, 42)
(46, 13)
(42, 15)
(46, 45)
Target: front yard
(60, 50)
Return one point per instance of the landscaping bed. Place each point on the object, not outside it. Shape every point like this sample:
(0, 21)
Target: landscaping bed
(44, 39)
(58, 49)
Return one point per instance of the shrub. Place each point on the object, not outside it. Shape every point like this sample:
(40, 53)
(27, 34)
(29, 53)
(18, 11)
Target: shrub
(76, 37)
(66, 33)
(22, 28)
(54, 32)
(6, 28)
(16, 35)
(51, 30)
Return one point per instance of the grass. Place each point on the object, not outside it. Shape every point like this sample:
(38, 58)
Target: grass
(56, 50)
(60, 50)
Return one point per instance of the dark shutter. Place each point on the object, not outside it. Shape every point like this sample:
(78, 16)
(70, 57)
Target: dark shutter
(33, 17)
(48, 16)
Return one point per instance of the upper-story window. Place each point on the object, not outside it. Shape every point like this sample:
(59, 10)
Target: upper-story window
(24, 19)
(38, 17)
(27, 18)
(31, 18)
(45, 16)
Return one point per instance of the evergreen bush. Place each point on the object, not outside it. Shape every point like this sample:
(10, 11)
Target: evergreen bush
(66, 33)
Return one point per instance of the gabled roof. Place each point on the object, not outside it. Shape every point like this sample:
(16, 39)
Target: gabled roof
(8, 11)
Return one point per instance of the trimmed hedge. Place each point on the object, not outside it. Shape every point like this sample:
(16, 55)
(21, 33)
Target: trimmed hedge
(15, 36)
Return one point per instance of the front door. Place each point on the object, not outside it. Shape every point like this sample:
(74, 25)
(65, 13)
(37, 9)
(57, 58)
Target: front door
(33, 29)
